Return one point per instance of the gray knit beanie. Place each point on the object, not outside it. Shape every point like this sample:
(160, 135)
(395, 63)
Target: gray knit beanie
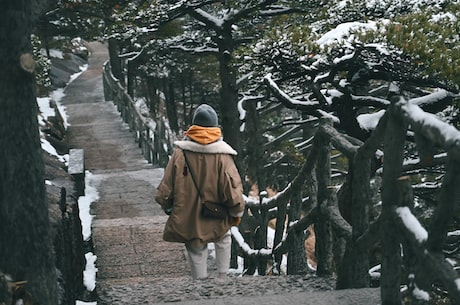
(205, 116)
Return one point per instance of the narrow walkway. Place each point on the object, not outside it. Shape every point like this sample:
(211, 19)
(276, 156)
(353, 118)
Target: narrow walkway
(134, 265)
(127, 227)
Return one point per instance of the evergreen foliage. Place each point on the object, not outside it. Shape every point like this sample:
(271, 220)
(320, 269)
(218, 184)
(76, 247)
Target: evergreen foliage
(43, 66)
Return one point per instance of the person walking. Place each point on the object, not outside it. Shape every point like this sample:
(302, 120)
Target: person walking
(202, 172)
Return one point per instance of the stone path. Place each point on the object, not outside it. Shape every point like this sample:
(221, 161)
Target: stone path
(134, 265)
(127, 227)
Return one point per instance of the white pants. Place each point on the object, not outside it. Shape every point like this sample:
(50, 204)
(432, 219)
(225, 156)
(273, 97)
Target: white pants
(198, 256)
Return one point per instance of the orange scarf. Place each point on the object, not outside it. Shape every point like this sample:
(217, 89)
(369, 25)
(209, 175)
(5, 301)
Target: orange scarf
(203, 135)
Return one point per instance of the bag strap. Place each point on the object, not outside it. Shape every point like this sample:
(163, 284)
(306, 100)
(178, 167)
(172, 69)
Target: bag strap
(191, 174)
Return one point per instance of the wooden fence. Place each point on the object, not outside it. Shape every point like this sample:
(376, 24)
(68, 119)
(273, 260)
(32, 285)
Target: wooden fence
(409, 251)
(343, 247)
(153, 137)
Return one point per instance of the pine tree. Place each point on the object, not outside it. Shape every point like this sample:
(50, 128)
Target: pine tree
(25, 243)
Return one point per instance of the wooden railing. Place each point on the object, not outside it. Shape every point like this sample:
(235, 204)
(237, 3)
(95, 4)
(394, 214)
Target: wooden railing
(343, 246)
(410, 252)
(152, 136)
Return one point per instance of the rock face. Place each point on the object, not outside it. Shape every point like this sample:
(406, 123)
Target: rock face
(63, 68)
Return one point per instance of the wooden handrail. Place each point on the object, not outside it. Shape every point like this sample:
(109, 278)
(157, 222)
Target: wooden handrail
(151, 136)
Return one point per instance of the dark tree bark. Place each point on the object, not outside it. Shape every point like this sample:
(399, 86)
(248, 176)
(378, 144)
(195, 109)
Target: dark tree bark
(130, 77)
(297, 256)
(254, 150)
(26, 250)
(229, 96)
(361, 205)
(391, 250)
(115, 62)
(256, 173)
(152, 96)
(323, 229)
(348, 121)
(280, 226)
(170, 102)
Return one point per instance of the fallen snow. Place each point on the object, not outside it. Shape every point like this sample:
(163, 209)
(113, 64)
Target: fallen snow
(45, 111)
(84, 204)
(89, 275)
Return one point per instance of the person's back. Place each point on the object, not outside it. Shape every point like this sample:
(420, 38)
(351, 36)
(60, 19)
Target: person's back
(200, 170)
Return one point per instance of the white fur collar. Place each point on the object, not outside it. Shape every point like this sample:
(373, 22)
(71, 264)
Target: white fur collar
(219, 147)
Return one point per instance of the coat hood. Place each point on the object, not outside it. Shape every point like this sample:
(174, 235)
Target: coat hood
(219, 147)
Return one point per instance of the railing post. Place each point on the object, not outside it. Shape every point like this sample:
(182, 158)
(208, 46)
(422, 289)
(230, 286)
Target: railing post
(323, 228)
(108, 90)
(146, 145)
(279, 231)
(76, 169)
(391, 250)
(150, 140)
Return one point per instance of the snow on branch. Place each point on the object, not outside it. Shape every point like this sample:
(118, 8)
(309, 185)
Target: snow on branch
(412, 224)
(245, 247)
(129, 55)
(285, 98)
(369, 121)
(370, 101)
(197, 50)
(415, 163)
(182, 7)
(430, 125)
(208, 19)
(432, 98)
(269, 203)
(264, 8)
(276, 11)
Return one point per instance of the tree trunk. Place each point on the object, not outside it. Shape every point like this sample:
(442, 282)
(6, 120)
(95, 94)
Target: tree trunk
(115, 62)
(353, 271)
(131, 76)
(184, 103)
(448, 207)
(26, 249)
(323, 230)
(279, 232)
(390, 236)
(170, 103)
(297, 256)
(229, 99)
(151, 95)
(361, 198)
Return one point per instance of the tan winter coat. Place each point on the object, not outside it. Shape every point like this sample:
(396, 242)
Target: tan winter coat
(216, 174)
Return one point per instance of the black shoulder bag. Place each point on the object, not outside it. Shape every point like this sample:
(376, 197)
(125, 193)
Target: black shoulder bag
(209, 209)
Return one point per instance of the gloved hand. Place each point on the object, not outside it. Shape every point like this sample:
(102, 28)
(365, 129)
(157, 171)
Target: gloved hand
(235, 221)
